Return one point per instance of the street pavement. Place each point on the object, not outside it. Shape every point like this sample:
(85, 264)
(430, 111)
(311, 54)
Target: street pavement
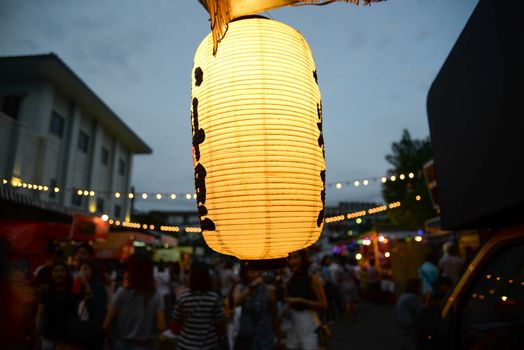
(374, 328)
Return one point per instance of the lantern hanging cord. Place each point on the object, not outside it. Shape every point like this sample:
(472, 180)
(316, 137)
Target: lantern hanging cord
(222, 12)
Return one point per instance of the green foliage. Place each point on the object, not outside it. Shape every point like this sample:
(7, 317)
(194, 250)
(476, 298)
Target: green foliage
(408, 155)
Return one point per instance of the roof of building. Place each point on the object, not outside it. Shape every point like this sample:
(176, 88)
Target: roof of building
(51, 68)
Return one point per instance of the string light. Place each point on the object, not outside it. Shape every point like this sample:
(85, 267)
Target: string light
(144, 195)
(173, 196)
(418, 198)
(117, 195)
(393, 178)
(358, 214)
(105, 217)
(188, 196)
(338, 186)
(387, 254)
(158, 196)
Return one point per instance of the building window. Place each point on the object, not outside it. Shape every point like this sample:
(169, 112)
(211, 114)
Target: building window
(83, 142)
(104, 157)
(118, 211)
(57, 125)
(99, 205)
(76, 199)
(10, 105)
(121, 167)
(52, 185)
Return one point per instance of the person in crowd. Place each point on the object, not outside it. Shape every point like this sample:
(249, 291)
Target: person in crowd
(259, 321)
(406, 309)
(16, 302)
(93, 306)
(451, 264)
(162, 275)
(42, 273)
(349, 287)
(227, 278)
(58, 305)
(373, 279)
(198, 317)
(180, 281)
(304, 299)
(428, 274)
(330, 282)
(84, 252)
(136, 315)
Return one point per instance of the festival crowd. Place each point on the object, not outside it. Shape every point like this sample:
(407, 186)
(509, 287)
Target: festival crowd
(219, 304)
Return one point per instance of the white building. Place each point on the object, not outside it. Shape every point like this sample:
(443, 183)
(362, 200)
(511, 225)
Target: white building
(55, 131)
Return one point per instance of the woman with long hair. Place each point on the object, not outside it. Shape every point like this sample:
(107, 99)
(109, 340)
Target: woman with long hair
(58, 305)
(136, 315)
(304, 299)
(198, 317)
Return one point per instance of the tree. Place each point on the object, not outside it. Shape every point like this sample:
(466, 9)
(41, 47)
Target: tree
(409, 155)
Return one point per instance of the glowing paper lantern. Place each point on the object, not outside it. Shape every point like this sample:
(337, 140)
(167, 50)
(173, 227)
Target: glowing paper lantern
(258, 149)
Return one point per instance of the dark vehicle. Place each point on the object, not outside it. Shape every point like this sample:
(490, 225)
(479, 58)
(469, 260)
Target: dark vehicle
(475, 113)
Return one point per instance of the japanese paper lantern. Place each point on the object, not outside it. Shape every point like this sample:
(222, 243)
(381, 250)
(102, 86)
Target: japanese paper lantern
(258, 149)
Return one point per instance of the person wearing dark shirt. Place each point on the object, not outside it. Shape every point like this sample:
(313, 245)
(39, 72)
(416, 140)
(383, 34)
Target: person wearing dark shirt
(57, 307)
(304, 298)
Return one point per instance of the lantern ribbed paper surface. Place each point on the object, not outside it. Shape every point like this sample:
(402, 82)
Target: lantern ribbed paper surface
(258, 149)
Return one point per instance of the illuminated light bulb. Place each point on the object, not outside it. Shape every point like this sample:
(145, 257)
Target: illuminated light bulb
(79, 192)
(111, 221)
(40, 187)
(92, 193)
(488, 277)
(144, 195)
(411, 175)
(393, 178)
(381, 239)
(151, 227)
(46, 188)
(131, 196)
(188, 196)
(56, 189)
(117, 223)
(358, 256)
(387, 254)
(417, 198)
(144, 226)
(117, 194)
(158, 196)
(418, 239)
(4, 181)
(384, 179)
(356, 183)
(402, 176)
(30, 186)
(86, 193)
(504, 298)
(173, 196)
(24, 185)
(194, 196)
(386, 240)
(365, 182)
(105, 217)
(359, 221)
(338, 185)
